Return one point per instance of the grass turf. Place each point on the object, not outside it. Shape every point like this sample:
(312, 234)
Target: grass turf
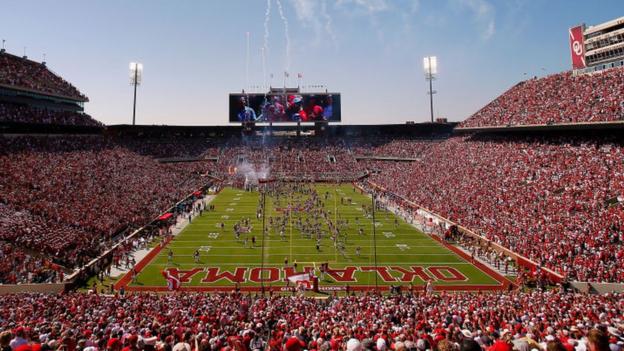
(399, 244)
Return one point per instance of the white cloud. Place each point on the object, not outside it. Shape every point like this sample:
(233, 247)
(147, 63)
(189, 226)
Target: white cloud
(314, 14)
(328, 21)
(305, 9)
(371, 6)
(489, 32)
(483, 15)
(318, 15)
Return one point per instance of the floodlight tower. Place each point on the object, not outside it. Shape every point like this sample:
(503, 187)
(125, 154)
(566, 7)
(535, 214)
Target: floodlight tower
(136, 75)
(430, 65)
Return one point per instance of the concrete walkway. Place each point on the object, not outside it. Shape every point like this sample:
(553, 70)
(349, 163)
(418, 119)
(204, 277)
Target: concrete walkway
(139, 254)
(482, 259)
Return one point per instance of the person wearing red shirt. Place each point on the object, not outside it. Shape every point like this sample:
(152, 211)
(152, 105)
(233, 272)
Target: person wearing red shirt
(503, 343)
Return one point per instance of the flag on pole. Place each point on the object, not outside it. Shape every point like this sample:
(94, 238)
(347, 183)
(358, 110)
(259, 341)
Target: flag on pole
(173, 282)
(316, 270)
(301, 279)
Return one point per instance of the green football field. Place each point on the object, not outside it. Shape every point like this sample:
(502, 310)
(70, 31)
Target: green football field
(404, 255)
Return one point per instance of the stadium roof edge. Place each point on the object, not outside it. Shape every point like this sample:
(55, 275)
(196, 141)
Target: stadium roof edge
(43, 94)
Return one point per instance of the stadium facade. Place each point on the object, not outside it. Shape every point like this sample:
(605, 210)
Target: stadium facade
(597, 47)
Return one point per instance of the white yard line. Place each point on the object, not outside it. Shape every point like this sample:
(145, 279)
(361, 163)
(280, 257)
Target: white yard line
(319, 254)
(457, 246)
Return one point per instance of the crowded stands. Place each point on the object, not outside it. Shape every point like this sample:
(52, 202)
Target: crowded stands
(32, 94)
(68, 197)
(18, 266)
(556, 99)
(172, 147)
(522, 321)
(381, 147)
(16, 113)
(18, 72)
(556, 200)
(309, 158)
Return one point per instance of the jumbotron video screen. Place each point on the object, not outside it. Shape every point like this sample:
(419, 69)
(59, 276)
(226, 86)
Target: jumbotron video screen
(301, 107)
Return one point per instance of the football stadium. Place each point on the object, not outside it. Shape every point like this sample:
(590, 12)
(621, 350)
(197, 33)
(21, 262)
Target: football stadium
(225, 201)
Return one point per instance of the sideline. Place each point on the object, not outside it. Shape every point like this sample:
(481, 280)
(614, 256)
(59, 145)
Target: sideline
(145, 256)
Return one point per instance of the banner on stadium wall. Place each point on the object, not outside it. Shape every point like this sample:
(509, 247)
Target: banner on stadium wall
(577, 47)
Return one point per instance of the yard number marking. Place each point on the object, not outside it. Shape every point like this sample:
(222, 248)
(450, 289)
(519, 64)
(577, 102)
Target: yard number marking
(403, 247)
(389, 235)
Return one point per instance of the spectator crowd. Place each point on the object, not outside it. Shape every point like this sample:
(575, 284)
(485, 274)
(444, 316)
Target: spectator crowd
(555, 99)
(16, 113)
(20, 72)
(398, 148)
(555, 200)
(18, 266)
(307, 158)
(520, 321)
(67, 197)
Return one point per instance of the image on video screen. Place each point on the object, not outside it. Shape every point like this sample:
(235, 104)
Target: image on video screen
(284, 107)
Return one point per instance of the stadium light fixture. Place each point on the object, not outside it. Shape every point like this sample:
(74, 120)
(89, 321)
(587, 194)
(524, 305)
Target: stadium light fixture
(136, 76)
(430, 65)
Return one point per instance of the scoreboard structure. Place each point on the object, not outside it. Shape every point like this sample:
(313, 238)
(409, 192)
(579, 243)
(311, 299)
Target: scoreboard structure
(597, 47)
(284, 105)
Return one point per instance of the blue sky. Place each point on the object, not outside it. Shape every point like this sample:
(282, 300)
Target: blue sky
(194, 52)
